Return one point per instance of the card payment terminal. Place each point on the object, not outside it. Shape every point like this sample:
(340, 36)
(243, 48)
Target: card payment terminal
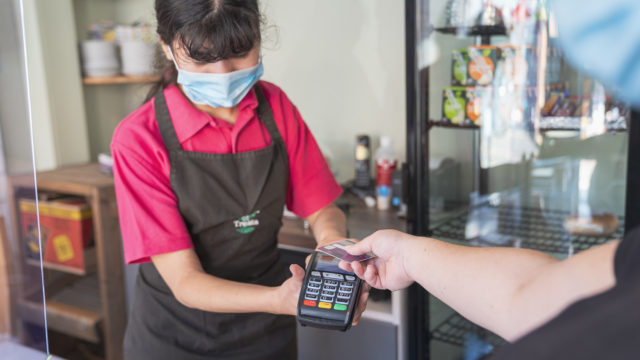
(329, 294)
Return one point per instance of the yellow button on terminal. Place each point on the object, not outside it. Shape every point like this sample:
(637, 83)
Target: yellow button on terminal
(324, 305)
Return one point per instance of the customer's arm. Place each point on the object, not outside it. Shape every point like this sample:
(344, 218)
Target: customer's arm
(508, 291)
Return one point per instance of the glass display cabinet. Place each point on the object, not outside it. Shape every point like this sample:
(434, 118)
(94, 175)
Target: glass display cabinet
(508, 144)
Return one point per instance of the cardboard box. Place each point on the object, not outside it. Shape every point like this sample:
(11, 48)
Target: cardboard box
(67, 229)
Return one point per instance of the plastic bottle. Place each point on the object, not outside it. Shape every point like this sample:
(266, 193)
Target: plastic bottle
(386, 162)
(363, 163)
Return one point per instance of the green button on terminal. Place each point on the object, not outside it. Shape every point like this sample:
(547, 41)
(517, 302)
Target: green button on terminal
(340, 307)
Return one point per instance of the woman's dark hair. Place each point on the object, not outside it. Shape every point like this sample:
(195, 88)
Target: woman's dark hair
(207, 30)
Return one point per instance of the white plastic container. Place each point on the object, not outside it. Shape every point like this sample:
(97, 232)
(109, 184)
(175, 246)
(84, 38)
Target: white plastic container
(138, 57)
(99, 58)
(386, 162)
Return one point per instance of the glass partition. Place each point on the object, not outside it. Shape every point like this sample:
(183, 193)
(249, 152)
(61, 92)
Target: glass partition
(23, 326)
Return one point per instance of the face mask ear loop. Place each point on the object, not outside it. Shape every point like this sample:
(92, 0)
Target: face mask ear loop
(173, 58)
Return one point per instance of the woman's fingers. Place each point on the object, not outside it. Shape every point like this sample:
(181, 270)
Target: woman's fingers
(362, 304)
(306, 260)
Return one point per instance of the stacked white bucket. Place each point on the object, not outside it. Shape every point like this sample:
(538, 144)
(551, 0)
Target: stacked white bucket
(100, 58)
(136, 56)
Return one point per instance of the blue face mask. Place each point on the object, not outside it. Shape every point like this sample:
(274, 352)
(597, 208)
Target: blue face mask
(218, 90)
(603, 38)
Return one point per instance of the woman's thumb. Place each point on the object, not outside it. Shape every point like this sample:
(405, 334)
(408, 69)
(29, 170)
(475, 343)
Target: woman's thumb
(296, 272)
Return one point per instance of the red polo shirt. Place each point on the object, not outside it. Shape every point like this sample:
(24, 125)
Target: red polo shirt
(150, 221)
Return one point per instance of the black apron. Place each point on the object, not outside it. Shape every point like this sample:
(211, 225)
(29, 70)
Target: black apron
(232, 205)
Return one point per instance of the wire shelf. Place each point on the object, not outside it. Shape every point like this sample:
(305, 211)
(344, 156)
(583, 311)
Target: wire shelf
(525, 228)
(567, 123)
(454, 329)
(479, 30)
(448, 124)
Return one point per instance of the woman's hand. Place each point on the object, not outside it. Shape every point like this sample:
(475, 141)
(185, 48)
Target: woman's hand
(361, 306)
(287, 294)
(387, 270)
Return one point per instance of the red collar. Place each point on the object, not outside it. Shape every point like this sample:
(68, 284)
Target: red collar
(192, 120)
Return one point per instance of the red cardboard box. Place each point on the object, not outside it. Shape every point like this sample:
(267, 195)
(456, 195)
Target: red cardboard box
(66, 227)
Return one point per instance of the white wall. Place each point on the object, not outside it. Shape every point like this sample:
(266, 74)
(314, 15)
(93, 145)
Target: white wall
(64, 81)
(16, 145)
(40, 107)
(107, 105)
(342, 63)
(59, 126)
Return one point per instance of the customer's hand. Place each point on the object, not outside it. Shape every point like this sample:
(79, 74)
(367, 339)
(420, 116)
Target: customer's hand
(387, 270)
(361, 306)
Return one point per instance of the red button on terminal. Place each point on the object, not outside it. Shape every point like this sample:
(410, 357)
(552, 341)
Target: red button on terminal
(310, 303)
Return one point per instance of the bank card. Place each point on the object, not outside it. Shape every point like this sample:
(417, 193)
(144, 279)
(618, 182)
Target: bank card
(338, 250)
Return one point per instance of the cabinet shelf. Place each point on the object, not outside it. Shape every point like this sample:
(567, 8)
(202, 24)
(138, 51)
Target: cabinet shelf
(90, 264)
(547, 124)
(530, 229)
(454, 329)
(572, 123)
(122, 79)
(74, 310)
(449, 125)
(493, 30)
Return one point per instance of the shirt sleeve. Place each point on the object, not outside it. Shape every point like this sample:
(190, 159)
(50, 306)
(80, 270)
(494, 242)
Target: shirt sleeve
(311, 183)
(150, 221)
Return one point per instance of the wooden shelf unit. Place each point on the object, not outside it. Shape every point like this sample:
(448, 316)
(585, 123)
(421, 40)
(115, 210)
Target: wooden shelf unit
(120, 79)
(91, 307)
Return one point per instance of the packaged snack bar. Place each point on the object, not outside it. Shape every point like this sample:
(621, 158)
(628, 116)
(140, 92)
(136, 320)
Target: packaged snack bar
(553, 98)
(482, 63)
(476, 98)
(459, 64)
(454, 104)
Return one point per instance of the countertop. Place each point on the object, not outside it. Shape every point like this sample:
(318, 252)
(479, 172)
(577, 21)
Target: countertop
(361, 222)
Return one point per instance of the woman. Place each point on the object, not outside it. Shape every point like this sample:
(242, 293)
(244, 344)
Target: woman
(202, 172)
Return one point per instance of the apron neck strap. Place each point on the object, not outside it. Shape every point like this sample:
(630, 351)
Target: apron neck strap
(168, 131)
(265, 114)
(164, 122)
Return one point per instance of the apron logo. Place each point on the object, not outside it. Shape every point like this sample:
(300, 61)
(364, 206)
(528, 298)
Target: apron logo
(247, 223)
